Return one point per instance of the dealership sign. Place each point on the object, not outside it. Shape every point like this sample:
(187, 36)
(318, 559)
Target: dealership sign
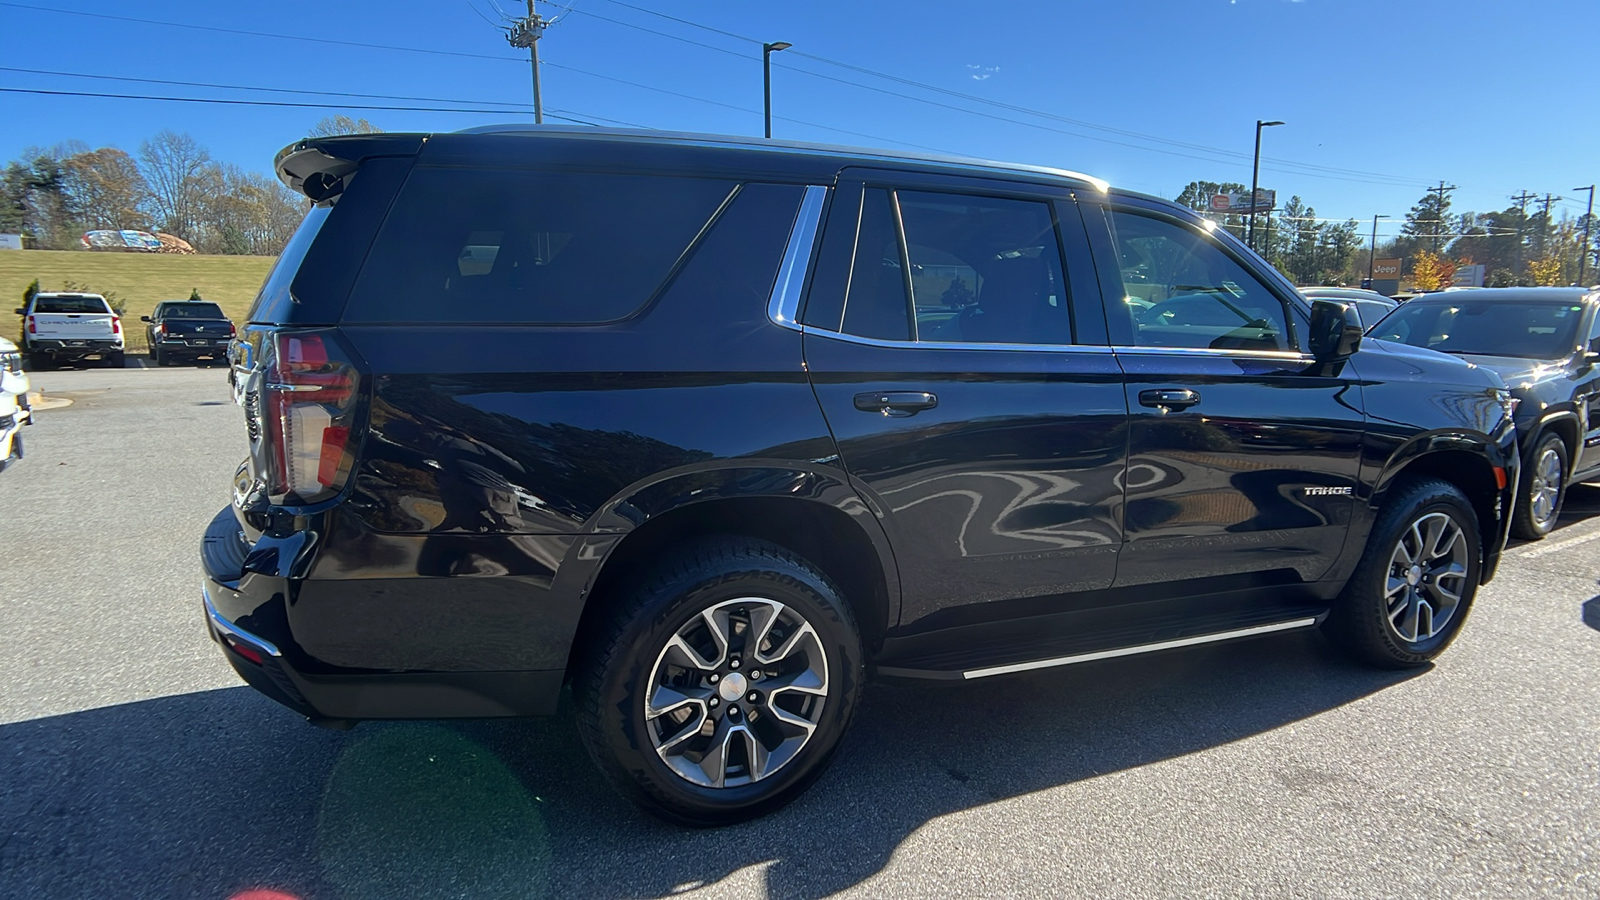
(1239, 203)
(1386, 269)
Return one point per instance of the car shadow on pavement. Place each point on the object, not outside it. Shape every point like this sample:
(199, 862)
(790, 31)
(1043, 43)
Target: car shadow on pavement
(210, 794)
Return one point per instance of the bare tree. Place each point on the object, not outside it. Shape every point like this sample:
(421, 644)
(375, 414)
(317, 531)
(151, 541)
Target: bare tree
(104, 189)
(173, 165)
(335, 125)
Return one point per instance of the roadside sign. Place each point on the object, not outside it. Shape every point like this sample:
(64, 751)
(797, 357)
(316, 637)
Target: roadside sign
(1468, 276)
(1386, 269)
(10, 242)
(1238, 203)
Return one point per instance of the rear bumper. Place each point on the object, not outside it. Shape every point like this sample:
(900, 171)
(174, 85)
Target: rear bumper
(247, 615)
(196, 346)
(71, 349)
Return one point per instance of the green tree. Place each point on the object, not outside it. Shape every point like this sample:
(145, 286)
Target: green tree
(1427, 225)
(1197, 195)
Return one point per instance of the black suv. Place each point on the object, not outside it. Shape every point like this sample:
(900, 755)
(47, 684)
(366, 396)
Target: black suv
(187, 329)
(714, 429)
(1545, 343)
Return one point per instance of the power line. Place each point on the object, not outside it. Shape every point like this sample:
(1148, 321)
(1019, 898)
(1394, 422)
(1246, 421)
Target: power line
(272, 90)
(276, 103)
(990, 101)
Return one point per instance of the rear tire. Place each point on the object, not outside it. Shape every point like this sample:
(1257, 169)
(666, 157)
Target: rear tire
(40, 362)
(1543, 491)
(737, 730)
(160, 357)
(115, 360)
(1415, 583)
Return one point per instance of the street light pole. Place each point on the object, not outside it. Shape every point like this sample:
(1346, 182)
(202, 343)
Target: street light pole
(1372, 251)
(1588, 217)
(1255, 178)
(766, 76)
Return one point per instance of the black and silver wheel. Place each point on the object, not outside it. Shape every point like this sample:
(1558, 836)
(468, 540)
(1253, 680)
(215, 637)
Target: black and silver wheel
(1412, 589)
(1539, 504)
(720, 689)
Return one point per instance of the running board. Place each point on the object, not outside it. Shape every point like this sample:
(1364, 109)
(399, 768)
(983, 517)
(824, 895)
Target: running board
(966, 674)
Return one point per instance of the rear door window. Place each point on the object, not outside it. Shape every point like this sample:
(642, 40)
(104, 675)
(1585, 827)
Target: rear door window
(472, 245)
(70, 305)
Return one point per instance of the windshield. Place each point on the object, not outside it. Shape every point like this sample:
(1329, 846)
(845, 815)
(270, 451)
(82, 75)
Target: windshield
(1514, 328)
(193, 311)
(70, 305)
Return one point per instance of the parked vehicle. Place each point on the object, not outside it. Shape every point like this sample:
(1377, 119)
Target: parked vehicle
(66, 327)
(839, 414)
(187, 329)
(14, 411)
(1371, 306)
(1545, 343)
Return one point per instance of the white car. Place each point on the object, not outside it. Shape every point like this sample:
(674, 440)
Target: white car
(14, 411)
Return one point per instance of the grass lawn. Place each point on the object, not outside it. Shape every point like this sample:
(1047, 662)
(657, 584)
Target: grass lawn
(141, 279)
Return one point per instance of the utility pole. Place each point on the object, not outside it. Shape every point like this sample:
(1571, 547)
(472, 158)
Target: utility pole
(1588, 217)
(1442, 190)
(1522, 223)
(1544, 220)
(526, 33)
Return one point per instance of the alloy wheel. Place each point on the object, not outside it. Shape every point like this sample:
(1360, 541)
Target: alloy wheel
(736, 693)
(1427, 576)
(1544, 491)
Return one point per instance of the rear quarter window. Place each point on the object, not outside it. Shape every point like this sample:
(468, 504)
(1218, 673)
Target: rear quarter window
(493, 246)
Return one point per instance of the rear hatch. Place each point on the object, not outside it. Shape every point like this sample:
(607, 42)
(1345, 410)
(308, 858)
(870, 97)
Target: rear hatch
(71, 317)
(303, 390)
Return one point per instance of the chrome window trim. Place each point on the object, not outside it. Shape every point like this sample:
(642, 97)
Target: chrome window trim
(955, 345)
(783, 307)
(1294, 355)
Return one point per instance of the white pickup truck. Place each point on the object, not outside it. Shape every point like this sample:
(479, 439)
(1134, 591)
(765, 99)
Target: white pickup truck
(14, 412)
(61, 327)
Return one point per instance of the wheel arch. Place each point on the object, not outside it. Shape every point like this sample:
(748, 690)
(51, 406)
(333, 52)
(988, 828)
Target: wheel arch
(815, 515)
(1466, 461)
(1564, 424)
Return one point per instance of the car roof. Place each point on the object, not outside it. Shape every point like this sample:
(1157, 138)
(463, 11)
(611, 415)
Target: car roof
(1350, 292)
(1509, 294)
(846, 155)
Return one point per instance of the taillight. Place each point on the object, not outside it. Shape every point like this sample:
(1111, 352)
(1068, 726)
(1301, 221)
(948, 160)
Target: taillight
(116, 325)
(311, 392)
(162, 329)
(31, 329)
(232, 331)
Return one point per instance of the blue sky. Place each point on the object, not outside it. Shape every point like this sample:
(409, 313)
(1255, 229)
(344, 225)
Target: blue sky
(1149, 94)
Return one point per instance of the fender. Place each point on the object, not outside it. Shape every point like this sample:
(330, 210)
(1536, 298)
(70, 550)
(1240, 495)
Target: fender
(725, 479)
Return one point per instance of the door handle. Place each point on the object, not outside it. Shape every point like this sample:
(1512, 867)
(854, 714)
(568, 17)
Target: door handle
(896, 404)
(1169, 399)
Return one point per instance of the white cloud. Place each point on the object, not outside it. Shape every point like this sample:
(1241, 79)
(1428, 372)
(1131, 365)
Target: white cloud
(983, 73)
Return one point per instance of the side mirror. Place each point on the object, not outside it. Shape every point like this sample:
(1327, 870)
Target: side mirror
(1335, 331)
(144, 318)
(22, 311)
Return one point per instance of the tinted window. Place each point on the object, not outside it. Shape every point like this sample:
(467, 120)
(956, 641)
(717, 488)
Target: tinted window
(731, 273)
(1594, 330)
(469, 245)
(191, 311)
(273, 299)
(875, 304)
(1511, 328)
(1180, 289)
(70, 305)
(985, 270)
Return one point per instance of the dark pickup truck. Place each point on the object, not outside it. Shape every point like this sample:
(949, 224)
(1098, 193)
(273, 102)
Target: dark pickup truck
(187, 329)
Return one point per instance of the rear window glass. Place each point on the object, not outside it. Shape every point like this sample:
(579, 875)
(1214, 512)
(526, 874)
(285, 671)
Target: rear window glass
(192, 311)
(273, 300)
(468, 245)
(70, 305)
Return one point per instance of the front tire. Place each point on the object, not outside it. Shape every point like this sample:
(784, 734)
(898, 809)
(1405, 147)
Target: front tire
(1539, 502)
(1415, 583)
(719, 688)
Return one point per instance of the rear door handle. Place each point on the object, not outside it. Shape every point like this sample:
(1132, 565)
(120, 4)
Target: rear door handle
(1169, 399)
(896, 404)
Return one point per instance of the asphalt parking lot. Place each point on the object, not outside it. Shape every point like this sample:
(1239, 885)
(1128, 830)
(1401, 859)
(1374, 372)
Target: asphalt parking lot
(134, 764)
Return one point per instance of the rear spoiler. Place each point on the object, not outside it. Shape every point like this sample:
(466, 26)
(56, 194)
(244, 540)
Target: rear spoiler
(320, 168)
